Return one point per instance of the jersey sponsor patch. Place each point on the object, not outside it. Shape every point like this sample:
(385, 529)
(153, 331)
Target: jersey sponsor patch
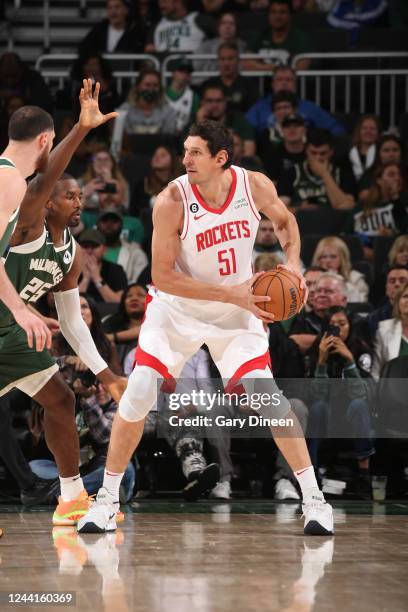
(67, 257)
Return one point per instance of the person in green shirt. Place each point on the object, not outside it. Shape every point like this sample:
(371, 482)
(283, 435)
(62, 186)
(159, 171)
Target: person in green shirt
(281, 39)
(179, 94)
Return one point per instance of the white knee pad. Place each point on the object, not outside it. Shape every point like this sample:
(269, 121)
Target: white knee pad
(264, 394)
(140, 395)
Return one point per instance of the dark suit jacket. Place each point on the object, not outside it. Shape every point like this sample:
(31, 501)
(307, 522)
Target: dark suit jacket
(132, 40)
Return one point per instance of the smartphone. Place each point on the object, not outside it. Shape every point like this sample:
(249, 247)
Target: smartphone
(333, 330)
(108, 188)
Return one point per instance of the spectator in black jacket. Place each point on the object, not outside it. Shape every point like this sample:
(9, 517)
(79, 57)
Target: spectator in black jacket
(339, 352)
(115, 34)
(17, 79)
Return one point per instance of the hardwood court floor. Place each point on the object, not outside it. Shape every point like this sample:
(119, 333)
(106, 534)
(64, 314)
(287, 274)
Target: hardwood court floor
(238, 557)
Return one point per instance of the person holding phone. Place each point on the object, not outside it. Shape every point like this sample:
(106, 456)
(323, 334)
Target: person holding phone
(340, 353)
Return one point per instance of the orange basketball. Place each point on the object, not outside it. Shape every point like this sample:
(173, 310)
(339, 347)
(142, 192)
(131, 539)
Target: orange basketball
(283, 287)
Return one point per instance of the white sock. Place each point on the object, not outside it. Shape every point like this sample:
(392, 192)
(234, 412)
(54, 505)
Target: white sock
(71, 487)
(307, 482)
(111, 482)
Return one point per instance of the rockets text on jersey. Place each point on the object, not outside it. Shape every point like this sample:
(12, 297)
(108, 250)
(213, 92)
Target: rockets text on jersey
(217, 244)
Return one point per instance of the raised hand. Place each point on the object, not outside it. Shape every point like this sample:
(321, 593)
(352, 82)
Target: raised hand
(91, 116)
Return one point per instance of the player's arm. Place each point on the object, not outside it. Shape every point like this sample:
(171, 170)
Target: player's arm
(12, 190)
(284, 222)
(77, 333)
(167, 226)
(40, 188)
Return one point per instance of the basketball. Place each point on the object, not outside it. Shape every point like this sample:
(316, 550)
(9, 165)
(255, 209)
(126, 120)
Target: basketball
(283, 287)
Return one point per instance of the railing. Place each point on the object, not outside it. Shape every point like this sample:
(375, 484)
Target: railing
(57, 75)
(7, 27)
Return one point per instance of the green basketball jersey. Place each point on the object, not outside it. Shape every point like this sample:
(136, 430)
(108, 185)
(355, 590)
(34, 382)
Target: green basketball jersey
(5, 239)
(36, 267)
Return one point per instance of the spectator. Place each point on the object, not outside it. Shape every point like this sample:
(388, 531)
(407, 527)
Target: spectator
(103, 183)
(332, 253)
(102, 280)
(11, 104)
(250, 162)
(365, 138)
(340, 353)
(330, 290)
(266, 261)
(260, 116)
(147, 14)
(266, 241)
(283, 156)
(318, 181)
(238, 90)
(391, 339)
(146, 111)
(280, 36)
(17, 79)
(227, 33)
(183, 100)
(178, 29)
(388, 150)
(283, 105)
(95, 67)
(115, 34)
(129, 255)
(351, 15)
(383, 212)
(311, 275)
(123, 327)
(397, 276)
(165, 166)
(398, 254)
(214, 107)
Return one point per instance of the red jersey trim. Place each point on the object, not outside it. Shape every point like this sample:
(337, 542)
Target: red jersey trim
(185, 206)
(257, 363)
(231, 193)
(249, 196)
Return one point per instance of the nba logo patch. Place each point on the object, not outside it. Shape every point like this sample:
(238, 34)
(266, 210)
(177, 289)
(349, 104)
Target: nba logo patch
(194, 207)
(67, 257)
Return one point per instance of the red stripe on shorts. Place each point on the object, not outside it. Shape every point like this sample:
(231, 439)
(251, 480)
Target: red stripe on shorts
(258, 363)
(143, 358)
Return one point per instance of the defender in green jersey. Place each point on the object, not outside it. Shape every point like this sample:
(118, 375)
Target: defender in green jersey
(43, 256)
(31, 134)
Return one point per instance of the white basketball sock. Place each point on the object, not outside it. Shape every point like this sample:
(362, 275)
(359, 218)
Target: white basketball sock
(71, 487)
(111, 482)
(307, 481)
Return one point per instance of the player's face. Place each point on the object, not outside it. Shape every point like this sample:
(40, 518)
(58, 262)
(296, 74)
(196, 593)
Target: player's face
(330, 259)
(395, 280)
(45, 141)
(199, 164)
(85, 311)
(341, 321)
(135, 300)
(66, 203)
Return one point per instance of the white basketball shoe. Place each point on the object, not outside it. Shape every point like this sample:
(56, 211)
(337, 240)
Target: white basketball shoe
(101, 516)
(318, 515)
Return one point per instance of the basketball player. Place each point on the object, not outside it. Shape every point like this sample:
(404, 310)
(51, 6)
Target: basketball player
(31, 134)
(205, 224)
(43, 256)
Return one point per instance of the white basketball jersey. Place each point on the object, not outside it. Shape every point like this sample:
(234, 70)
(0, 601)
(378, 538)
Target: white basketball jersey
(217, 244)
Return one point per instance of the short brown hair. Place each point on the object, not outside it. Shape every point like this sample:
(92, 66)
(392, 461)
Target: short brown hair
(28, 122)
(217, 137)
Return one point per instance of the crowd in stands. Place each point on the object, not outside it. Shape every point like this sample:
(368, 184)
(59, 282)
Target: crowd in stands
(347, 187)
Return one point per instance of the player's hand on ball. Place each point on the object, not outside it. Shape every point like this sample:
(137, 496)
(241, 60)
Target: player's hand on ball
(91, 117)
(302, 281)
(243, 297)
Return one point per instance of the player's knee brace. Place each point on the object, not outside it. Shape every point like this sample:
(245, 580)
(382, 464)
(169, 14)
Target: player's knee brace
(140, 395)
(264, 395)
